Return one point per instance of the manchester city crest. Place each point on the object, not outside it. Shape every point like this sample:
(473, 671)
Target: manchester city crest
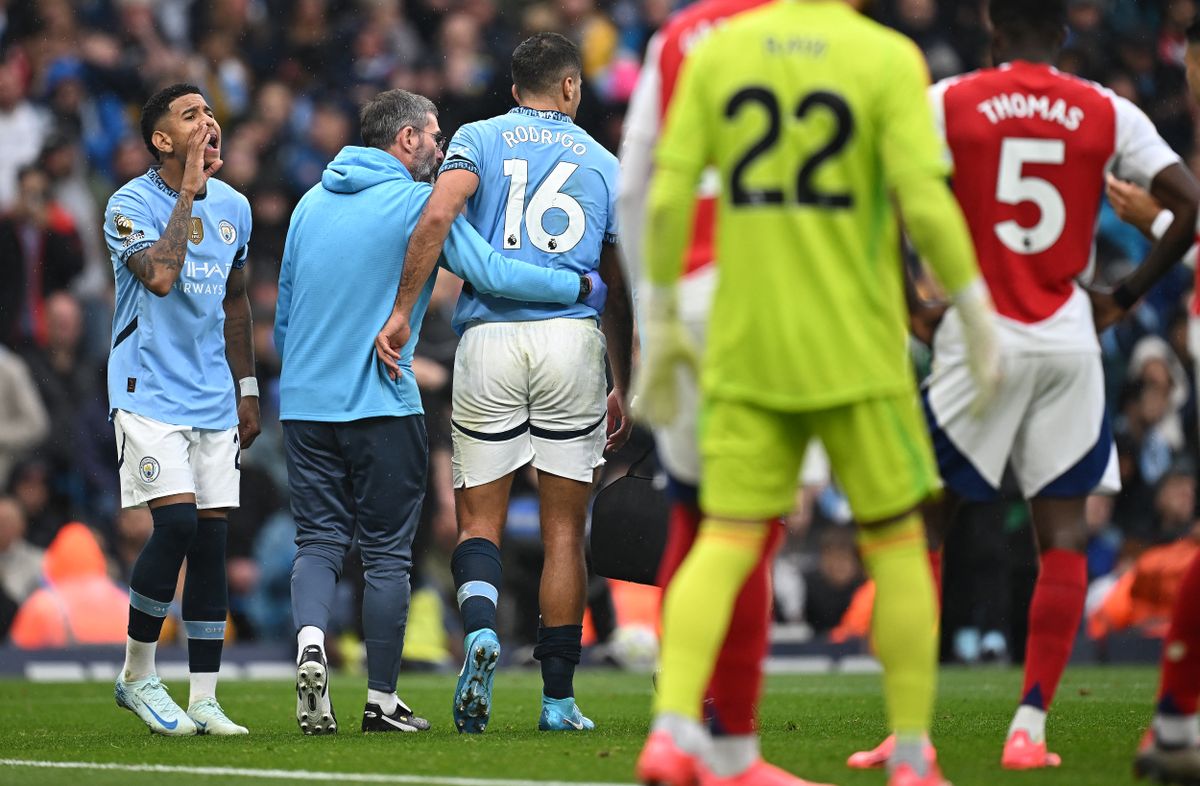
(228, 233)
(149, 469)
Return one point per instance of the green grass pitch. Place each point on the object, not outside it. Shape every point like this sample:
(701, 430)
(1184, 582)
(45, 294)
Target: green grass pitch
(809, 725)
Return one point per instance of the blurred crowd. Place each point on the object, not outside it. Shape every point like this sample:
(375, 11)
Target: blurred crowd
(285, 80)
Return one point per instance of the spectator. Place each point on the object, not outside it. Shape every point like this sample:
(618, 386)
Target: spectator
(130, 159)
(30, 487)
(96, 117)
(225, 78)
(1172, 38)
(79, 604)
(63, 163)
(20, 563)
(22, 131)
(64, 383)
(1144, 595)
(23, 419)
(328, 133)
(593, 32)
(1174, 502)
(40, 237)
(918, 19)
(831, 583)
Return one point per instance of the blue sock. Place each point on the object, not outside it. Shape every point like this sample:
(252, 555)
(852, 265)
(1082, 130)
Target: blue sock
(206, 596)
(559, 649)
(475, 565)
(156, 571)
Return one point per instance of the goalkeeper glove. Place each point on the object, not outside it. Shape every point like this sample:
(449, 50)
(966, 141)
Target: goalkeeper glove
(666, 349)
(975, 309)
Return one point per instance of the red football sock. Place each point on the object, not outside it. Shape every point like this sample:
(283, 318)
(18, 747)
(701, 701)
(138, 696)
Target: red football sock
(1054, 617)
(681, 533)
(737, 679)
(1181, 649)
(935, 565)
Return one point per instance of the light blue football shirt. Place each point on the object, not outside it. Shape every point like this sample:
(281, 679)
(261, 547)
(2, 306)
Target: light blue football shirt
(168, 353)
(547, 195)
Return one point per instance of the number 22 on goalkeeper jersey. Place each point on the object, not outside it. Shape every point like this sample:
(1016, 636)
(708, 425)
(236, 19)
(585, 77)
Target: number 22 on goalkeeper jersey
(812, 114)
(547, 194)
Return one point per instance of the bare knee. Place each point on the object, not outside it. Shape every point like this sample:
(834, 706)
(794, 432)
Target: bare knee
(1060, 523)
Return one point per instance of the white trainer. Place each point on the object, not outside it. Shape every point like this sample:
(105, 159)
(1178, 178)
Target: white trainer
(148, 699)
(211, 719)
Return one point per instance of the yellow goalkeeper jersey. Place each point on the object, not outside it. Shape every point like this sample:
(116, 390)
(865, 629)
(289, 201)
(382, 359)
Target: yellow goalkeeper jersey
(812, 114)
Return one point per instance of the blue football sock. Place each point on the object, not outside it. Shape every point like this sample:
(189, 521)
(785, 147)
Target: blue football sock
(475, 565)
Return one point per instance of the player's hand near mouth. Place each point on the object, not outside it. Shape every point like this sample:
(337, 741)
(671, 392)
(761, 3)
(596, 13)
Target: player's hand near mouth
(203, 157)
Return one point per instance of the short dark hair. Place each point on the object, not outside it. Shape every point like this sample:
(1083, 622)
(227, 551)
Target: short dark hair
(157, 106)
(543, 60)
(386, 114)
(1042, 19)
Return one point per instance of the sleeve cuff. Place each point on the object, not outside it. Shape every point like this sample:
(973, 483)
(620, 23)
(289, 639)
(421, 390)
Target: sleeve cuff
(1162, 222)
(610, 238)
(136, 247)
(239, 259)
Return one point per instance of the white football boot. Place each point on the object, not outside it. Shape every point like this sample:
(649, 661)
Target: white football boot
(148, 699)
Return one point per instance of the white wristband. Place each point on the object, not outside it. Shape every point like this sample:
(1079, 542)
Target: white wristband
(1162, 222)
(248, 386)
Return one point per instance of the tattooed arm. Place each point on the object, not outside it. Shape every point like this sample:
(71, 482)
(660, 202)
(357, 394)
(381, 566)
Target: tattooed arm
(158, 266)
(239, 351)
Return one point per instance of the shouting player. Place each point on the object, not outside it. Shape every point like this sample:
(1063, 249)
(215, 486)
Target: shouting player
(737, 682)
(529, 379)
(815, 119)
(1042, 142)
(182, 325)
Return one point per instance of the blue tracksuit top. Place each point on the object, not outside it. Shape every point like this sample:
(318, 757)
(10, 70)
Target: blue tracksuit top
(337, 283)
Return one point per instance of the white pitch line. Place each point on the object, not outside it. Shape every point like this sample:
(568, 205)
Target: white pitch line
(341, 777)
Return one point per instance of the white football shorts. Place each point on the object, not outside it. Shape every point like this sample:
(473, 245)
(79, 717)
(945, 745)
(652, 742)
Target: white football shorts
(1047, 422)
(529, 391)
(156, 459)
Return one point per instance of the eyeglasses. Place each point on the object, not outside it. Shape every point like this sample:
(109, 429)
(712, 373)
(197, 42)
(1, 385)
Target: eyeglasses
(438, 139)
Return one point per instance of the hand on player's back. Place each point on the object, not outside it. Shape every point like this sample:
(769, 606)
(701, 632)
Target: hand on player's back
(390, 341)
(1132, 203)
(195, 171)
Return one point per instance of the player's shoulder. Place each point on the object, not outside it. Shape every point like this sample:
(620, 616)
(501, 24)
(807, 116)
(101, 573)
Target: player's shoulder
(698, 19)
(222, 192)
(489, 125)
(1030, 77)
(136, 189)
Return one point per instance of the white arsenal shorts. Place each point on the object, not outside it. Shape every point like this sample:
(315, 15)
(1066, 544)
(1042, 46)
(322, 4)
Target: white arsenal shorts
(1047, 421)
